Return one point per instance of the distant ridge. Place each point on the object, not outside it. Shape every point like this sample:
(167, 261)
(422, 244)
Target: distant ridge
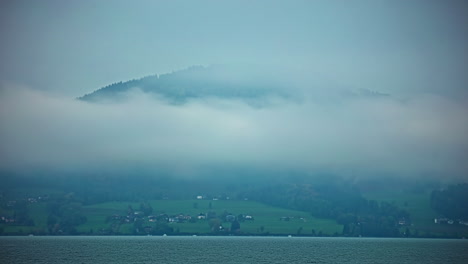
(246, 83)
(196, 82)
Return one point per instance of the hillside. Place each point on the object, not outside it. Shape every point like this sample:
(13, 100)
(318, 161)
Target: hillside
(198, 81)
(107, 218)
(265, 219)
(418, 205)
(250, 84)
(141, 206)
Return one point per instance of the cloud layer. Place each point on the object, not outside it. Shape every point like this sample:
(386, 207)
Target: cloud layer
(424, 135)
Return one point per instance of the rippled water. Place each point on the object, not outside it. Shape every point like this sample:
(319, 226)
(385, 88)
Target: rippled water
(229, 250)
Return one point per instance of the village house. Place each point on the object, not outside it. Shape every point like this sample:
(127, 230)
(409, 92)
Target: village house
(442, 220)
(248, 217)
(7, 219)
(201, 216)
(447, 221)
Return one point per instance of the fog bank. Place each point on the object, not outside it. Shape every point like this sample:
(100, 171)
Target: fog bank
(423, 135)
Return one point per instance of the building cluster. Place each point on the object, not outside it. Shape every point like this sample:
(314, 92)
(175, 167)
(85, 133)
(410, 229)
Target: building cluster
(134, 216)
(447, 221)
(7, 219)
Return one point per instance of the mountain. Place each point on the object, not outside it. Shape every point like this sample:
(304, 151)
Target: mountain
(247, 83)
(196, 82)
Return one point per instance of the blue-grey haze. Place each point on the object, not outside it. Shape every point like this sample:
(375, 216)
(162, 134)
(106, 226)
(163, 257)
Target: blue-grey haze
(54, 51)
(75, 47)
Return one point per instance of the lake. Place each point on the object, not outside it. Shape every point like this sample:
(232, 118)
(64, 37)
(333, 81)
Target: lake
(200, 249)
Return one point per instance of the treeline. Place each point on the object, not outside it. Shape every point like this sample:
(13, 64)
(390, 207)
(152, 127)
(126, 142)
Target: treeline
(342, 202)
(194, 82)
(451, 202)
(64, 214)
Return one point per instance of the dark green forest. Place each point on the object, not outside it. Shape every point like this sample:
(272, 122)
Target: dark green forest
(451, 202)
(197, 82)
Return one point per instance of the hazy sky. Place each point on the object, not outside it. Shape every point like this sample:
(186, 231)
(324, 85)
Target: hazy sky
(417, 51)
(74, 47)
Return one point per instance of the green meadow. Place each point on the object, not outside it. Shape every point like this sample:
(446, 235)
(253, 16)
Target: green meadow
(267, 219)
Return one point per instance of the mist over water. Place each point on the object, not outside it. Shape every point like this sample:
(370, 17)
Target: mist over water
(348, 134)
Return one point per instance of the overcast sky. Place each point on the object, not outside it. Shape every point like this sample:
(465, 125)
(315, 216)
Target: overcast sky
(417, 51)
(74, 47)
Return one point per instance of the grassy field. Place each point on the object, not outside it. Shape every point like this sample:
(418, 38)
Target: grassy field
(266, 218)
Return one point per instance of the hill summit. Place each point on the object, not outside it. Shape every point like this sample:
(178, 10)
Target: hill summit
(197, 82)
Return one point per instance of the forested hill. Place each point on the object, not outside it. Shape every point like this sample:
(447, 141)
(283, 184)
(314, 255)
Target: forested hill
(198, 81)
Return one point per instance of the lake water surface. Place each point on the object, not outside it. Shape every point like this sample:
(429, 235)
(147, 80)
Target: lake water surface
(230, 250)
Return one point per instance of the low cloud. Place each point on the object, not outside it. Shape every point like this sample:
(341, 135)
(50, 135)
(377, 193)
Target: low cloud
(423, 135)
